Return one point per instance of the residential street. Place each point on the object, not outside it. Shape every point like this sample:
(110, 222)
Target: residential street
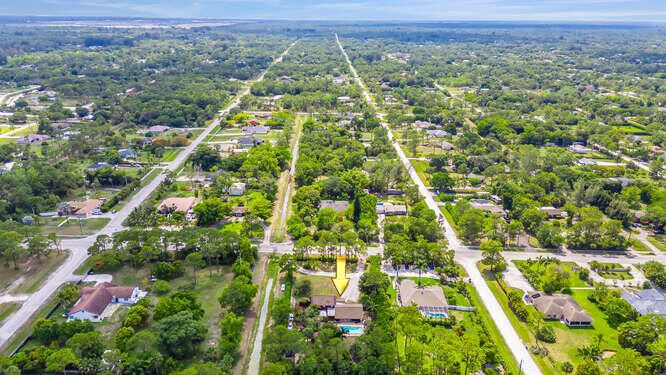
(509, 334)
(78, 247)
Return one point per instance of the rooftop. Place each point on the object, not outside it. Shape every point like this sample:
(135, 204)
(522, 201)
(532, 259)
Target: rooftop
(181, 204)
(648, 301)
(421, 296)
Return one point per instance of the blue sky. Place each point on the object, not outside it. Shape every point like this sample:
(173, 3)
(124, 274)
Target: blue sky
(417, 10)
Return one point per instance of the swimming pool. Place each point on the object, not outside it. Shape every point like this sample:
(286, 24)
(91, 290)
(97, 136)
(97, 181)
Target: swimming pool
(351, 330)
(436, 315)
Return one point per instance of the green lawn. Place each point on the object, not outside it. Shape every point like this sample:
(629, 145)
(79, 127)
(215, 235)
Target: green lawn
(421, 166)
(7, 309)
(617, 275)
(170, 154)
(493, 331)
(33, 273)
(575, 281)
(320, 285)
(640, 247)
(659, 241)
(72, 227)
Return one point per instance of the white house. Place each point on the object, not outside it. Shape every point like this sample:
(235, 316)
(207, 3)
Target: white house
(237, 188)
(95, 300)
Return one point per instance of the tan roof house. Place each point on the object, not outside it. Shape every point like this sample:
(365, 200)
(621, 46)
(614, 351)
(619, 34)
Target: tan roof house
(348, 312)
(81, 208)
(561, 307)
(430, 300)
(322, 300)
(180, 204)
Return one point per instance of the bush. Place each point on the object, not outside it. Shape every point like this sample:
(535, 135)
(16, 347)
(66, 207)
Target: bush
(584, 274)
(516, 304)
(303, 288)
(546, 333)
(167, 271)
(161, 287)
(122, 194)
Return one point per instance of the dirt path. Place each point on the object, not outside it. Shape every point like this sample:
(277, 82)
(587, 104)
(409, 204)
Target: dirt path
(286, 186)
(251, 317)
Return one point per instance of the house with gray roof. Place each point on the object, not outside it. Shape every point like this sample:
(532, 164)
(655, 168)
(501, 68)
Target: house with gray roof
(561, 307)
(648, 301)
(338, 206)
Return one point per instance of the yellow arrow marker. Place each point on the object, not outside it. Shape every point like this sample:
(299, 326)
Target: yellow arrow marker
(341, 279)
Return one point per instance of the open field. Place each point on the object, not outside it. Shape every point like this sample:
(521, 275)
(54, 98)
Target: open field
(72, 227)
(29, 275)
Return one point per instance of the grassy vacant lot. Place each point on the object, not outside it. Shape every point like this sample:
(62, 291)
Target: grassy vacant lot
(568, 339)
(320, 284)
(31, 273)
(613, 275)
(659, 241)
(6, 309)
(540, 269)
(72, 227)
(421, 166)
(170, 154)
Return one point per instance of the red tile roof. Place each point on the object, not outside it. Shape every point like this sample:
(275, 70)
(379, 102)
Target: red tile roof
(96, 299)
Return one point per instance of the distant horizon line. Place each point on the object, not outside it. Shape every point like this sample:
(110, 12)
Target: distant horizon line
(391, 20)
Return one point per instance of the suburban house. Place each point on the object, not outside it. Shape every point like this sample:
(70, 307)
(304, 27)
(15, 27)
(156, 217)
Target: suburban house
(552, 212)
(390, 209)
(578, 149)
(237, 189)
(256, 129)
(61, 125)
(586, 161)
(348, 312)
(32, 139)
(253, 122)
(624, 181)
(81, 209)
(648, 301)
(338, 206)
(128, 153)
(7, 167)
(486, 205)
(437, 133)
(423, 124)
(430, 300)
(98, 166)
(560, 307)
(158, 129)
(93, 301)
(179, 204)
(325, 303)
(249, 141)
(446, 146)
(238, 211)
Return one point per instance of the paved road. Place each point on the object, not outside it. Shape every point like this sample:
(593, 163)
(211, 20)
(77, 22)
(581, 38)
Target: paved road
(639, 164)
(509, 334)
(255, 357)
(78, 247)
